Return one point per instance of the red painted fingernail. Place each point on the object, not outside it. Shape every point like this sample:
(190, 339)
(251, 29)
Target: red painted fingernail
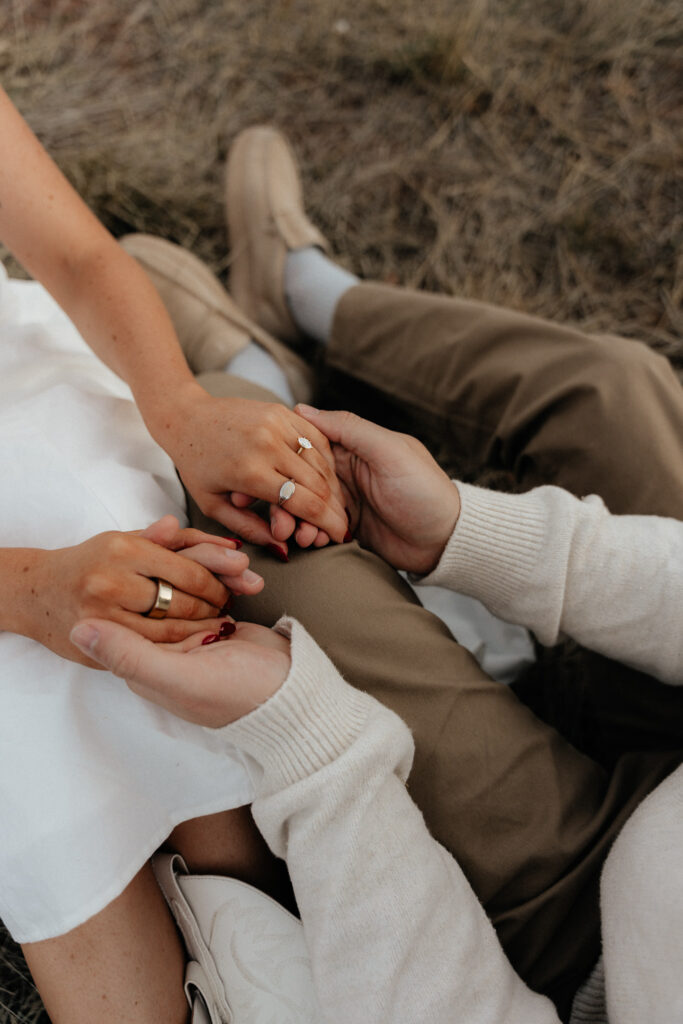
(278, 552)
(210, 639)
(236, 541)
(226, 606)
(348, 536)
(226, 630)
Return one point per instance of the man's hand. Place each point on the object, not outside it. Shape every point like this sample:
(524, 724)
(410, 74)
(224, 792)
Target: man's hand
(208, 684)
(401, 503)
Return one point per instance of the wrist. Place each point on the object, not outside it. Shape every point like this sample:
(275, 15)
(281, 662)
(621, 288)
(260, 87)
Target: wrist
(21, 601)
(168, 411)
(449, 501)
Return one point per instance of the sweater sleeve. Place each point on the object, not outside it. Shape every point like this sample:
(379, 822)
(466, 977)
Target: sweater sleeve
(560, 565)
(394, 930)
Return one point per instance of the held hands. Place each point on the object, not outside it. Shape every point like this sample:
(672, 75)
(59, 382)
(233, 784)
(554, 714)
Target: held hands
(247, 448)
(401, 503)
(210, 685)
(113, 576)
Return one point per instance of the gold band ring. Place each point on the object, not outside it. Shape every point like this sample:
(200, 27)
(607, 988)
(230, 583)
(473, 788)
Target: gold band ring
(162, 603)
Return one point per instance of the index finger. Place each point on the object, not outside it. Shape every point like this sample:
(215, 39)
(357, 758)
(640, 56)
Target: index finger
(323, 460)
(186, 575)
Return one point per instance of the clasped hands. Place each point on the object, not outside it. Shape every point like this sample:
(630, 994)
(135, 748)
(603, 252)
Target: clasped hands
(401, 505)
(230, 452)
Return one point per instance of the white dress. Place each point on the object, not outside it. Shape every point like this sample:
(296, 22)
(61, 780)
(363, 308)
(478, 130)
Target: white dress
(92, 777)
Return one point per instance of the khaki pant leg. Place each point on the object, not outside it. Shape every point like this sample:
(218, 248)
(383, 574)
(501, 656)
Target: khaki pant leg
(549, 403)
(529, 818)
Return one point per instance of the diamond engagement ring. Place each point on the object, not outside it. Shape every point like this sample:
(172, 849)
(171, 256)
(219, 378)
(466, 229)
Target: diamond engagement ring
(162, 602)
(303, 443)
(286, 491)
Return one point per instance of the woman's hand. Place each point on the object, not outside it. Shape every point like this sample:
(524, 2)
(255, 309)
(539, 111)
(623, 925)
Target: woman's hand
(114, 576)
(211, 685)
(224, 445)
(219, 445)
(402, 505)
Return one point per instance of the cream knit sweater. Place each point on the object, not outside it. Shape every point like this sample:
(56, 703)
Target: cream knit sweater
(394, 930)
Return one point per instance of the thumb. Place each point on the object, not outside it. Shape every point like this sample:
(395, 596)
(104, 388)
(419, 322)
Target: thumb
(359, 436)
(124, 652)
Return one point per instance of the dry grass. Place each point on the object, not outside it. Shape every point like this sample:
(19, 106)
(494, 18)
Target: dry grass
(525, 153)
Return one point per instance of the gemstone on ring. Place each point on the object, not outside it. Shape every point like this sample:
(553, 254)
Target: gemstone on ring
(304, 442)
(286, 491)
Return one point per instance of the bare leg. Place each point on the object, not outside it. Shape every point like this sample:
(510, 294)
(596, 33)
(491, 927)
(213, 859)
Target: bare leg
(230, 844)
(124, 964)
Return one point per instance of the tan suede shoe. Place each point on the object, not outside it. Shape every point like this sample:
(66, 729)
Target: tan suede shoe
(266, 219)
(210, 327)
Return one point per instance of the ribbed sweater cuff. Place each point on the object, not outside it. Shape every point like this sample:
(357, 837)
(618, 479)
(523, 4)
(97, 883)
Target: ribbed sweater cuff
(495, 545)
(308, 723)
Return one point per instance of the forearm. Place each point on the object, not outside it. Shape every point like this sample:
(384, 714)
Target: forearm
(118, 311)
(394, 930)
(559, 565)
(53, 234)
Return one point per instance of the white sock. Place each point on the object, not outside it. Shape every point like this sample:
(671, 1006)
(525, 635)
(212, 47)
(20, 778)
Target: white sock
(313, 287)
(255, 364)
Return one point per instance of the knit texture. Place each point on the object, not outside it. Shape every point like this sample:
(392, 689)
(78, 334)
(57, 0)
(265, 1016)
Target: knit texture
(395, 932)
(563, 566)
(311, 720)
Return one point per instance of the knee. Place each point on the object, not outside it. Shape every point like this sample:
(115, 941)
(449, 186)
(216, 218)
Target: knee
(622, 388)
(624, 373)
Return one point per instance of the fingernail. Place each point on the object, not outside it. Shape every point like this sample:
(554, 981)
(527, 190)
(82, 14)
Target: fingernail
(236, 541)
(226, 630)
(210, 639)
(224, 610)
(278, 552)
(253, 577)
(311, 410)
(84, 637)
(348, 536)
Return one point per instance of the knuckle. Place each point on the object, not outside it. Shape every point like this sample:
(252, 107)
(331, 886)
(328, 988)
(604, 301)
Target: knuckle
(349, 420)
(276, 414)
(125, 664)
(322, 490)
(97, 585)
(263, 434)
(119, 545)
(315, 507)
(253, 483)
(193, 608)
(174, 631)
(196, 579)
